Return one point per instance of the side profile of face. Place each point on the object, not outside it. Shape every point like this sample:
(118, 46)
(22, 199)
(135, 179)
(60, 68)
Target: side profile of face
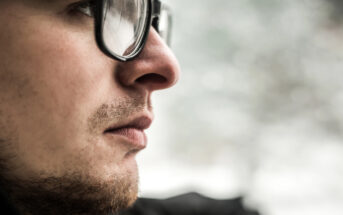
(59, 98)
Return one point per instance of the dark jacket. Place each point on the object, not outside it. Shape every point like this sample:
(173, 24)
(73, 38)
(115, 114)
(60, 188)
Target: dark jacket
(188, 204)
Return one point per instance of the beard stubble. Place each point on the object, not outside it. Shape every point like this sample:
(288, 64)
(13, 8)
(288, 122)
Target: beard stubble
(75, 193)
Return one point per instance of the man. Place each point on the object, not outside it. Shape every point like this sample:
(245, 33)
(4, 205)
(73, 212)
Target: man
(75, 104)
(72, 118)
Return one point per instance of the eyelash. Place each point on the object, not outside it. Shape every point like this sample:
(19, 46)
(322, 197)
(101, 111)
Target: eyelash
(85, 7)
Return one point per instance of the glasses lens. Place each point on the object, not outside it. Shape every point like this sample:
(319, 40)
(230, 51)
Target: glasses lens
(124, 25)
(165, 24)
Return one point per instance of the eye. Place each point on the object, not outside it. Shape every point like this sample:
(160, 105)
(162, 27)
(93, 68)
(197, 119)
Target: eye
(85, 7)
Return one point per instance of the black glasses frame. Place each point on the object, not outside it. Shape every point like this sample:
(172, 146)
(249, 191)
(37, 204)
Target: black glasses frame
(154, 11)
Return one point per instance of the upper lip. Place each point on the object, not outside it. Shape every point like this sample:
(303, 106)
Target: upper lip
(140, 123)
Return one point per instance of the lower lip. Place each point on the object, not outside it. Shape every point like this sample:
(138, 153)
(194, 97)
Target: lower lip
(135, 136)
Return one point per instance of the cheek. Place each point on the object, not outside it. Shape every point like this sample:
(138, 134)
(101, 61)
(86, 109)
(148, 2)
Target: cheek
(51, 81)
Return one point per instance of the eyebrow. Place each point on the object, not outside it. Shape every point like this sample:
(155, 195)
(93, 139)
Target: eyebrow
(50, 2)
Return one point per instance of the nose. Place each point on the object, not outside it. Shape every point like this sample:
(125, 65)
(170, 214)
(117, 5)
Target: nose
(155, 68)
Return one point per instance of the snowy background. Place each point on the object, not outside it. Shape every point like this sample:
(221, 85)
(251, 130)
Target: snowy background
(258, 110)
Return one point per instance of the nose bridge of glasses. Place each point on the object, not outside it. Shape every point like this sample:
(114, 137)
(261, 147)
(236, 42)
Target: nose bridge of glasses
(162, 20)
(156, 8)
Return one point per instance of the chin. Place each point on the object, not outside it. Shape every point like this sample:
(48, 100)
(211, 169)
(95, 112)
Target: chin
(75, 193)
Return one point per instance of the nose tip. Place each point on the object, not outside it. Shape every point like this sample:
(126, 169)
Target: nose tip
(155, 68)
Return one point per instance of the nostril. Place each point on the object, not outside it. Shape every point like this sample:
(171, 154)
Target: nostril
(152, 79)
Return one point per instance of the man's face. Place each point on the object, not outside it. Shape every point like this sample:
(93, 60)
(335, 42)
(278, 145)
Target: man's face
(60, 96)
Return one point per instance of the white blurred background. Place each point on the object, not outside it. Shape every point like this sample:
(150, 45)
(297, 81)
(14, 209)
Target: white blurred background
(258, 110)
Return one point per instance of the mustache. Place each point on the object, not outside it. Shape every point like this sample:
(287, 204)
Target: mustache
(116, 111)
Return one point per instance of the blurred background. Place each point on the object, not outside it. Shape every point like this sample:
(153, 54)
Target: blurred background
(258, 111)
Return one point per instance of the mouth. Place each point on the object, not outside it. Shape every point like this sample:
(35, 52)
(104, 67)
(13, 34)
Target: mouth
(132, 133)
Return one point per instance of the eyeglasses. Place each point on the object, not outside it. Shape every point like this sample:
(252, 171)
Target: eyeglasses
(122, 26)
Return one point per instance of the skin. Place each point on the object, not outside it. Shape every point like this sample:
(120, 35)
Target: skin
(58, 93)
